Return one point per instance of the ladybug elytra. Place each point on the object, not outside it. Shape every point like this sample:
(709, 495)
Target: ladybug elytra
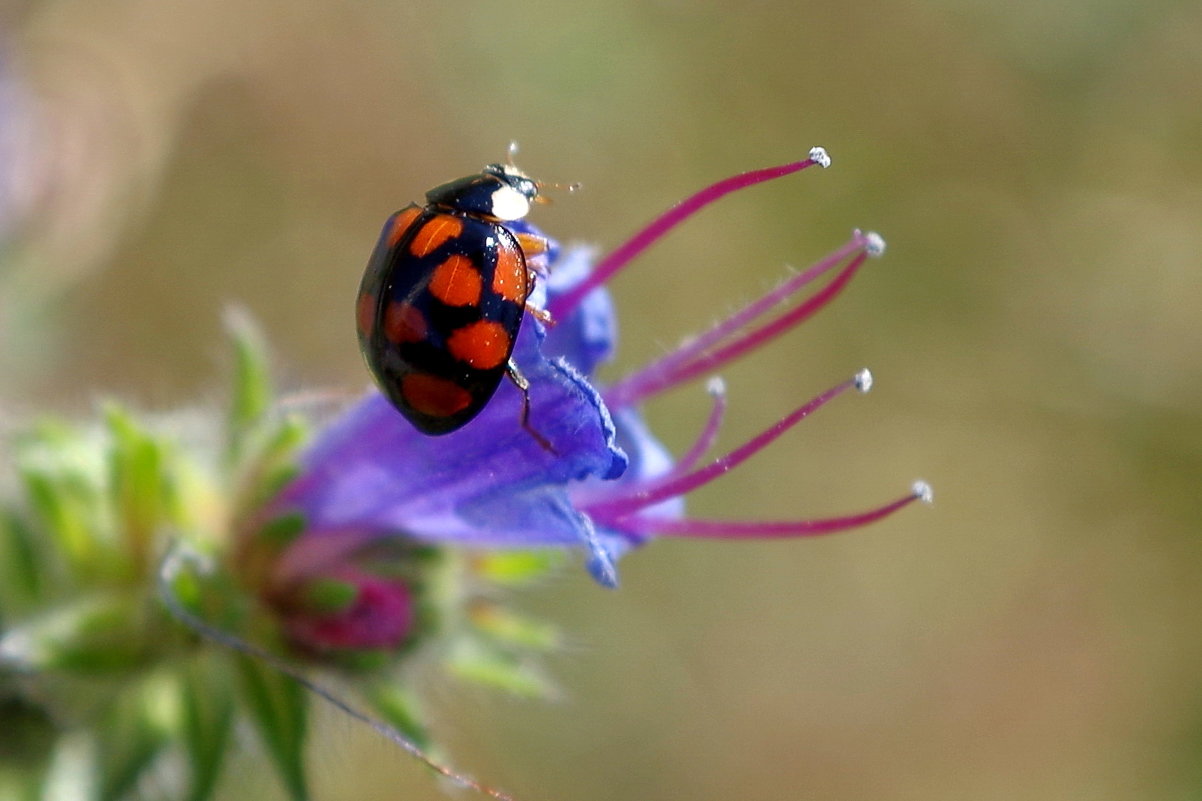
(444, 295)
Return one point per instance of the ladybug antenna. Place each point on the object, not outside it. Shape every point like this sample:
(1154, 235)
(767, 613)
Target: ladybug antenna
(571, 188)
(542, 199)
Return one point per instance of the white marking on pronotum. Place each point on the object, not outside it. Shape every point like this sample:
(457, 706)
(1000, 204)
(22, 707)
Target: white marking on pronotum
(509, 204)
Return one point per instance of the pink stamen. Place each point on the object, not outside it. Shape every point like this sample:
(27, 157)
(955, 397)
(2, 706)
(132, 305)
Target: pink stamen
(690, 360)
(758, 308)
(767, 529)
(563, 305)
(614, 508)
(705, 440)
(762, 335)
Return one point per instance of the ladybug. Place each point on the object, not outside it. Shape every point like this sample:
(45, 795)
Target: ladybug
(443, 297)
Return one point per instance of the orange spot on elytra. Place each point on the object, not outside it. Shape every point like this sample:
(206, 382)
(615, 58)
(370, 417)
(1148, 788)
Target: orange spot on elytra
(400, 224)
(434, 396)
(403, 322)
(365, 313)
(456, 282)
(510, 279)
(483, 344)
(434, 233)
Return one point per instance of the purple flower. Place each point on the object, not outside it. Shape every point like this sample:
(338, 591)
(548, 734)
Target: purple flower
(609, 485)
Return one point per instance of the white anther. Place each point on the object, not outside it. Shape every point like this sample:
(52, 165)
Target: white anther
(923, 492)
(716, 387)
(874, 244)
(819, 156)
(863, 380)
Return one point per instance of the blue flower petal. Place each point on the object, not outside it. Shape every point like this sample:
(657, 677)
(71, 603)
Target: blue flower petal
(489, 483)
(649, 460)
(588, 336)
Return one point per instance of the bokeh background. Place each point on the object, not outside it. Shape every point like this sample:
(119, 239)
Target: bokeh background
(1034, 329)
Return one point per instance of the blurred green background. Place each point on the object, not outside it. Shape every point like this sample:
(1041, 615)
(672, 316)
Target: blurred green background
(1034, 330)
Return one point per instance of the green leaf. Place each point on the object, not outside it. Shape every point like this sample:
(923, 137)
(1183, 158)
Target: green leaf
(278, 706)
(207, 720)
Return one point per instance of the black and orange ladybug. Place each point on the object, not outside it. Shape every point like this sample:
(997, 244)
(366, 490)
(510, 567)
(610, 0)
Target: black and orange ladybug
(444, 295)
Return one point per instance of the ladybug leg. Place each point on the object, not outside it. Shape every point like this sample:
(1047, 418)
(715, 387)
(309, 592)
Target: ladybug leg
(519, 380)
(532, 244)
(542, 315)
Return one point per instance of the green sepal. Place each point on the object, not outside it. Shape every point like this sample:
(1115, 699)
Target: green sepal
(279, 448)
(251, 394)
(72, 772)
(398, 707)
(132, 734)
(139, 486)
(29, 732)
(278, 706)
(19, 785)
(515, 568)
(206, 722)
(325, 596)
(510, 628)
(62, 479)
(98, 635)
(187, 588)
(261, 445)
(480, 663)
(269, 464)
(280, 475)
(282, 530)
(22, 579)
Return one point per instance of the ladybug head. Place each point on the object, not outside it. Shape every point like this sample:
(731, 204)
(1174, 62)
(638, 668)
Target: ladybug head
(499, 192)
(512, 197)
